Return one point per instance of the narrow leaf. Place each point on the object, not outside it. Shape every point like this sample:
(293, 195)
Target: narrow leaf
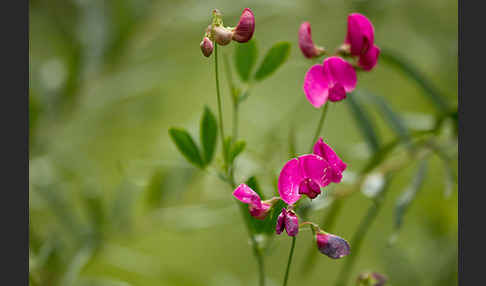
(409, 194)
(186, 146)
(364, 122)
(245, 59)
(393, 119)
(209, 134)
(274, 58)
(431, 92)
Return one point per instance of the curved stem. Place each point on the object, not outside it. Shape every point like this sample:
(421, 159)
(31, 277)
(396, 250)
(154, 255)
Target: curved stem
(290, 260)
(319, 125)
(220, 112)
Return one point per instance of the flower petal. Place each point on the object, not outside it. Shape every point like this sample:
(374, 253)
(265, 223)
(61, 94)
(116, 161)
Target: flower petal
(360, 35)
(246, 195)
(289, 181)
(291, 223)
(337, 70)
(316, 86)
(337, 93)
(305, 42)
(316, 168)
(246, 26)
(279, 228)
(369, 59)
(337, 165)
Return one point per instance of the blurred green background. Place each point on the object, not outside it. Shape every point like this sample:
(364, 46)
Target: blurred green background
(112, 201)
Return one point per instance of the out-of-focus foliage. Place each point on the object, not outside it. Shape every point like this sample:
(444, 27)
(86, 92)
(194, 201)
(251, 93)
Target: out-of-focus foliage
(113, 202)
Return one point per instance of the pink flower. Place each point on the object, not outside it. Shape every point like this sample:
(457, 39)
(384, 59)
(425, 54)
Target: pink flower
(287, 220)
(332, 245)
(360, 37)
(306, 44)
(257, 208)
(206, 47)
(303, 175)
(336, 165)
(245, 28)
(331, 80)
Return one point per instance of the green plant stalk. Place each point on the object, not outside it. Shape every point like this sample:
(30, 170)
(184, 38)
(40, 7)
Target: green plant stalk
(328, 222)
(360, 234)
(319, 125)
(291, 254)
(220, 112)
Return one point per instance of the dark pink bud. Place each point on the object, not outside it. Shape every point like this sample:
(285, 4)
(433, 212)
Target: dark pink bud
(287, 220)
(306, 44)
(206, 47)
(222, 36)
(245, 28)
(309, 188)
(332, 245)
(372, 279)
(369, 59)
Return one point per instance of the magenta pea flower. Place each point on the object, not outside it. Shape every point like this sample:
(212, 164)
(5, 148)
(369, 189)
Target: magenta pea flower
(307, 46)
(331, 80)
(360, 37)
(332, 245)
(258, 208)
(336, 165)
(287, 220)
(306, 174)
(245, 28)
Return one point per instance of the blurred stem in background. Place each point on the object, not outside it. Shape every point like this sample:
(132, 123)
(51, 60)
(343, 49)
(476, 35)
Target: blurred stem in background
(319, 126)
(220, 112)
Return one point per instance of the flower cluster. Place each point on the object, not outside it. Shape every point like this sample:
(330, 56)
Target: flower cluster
(301, 176)
(336, 77)
(216, 32)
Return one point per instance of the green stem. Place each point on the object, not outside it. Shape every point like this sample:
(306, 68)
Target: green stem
(319, 125)
(220, 112)
(360, 234)
(328, 221)
(290, 260)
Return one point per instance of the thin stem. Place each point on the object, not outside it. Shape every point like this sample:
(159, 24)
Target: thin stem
(328, 221)
(360, 234)
(290, 260)
(319, 125)
(220, 112)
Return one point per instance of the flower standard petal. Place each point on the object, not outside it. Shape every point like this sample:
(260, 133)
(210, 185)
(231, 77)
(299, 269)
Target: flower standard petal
(289, 181)
(315, 168)
(316, 86)
(246, 27)
(306, 45)
(337, 70)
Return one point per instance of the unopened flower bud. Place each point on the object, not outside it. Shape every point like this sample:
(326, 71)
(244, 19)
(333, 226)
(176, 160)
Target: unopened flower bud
(222, 36)
(206, 47)
(332, 245)
(287, 220)
(245, 28)
(372, 279)
(307, 46)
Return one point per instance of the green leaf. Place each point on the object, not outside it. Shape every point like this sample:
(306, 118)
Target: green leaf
(431, 92)
(245, 59)
(274, 58)
(235, 150)
(364, 122)
(409, 194)
(208, 134)
(395, 121)
(186, 146)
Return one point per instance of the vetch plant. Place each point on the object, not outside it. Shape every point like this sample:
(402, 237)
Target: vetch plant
(305, 176)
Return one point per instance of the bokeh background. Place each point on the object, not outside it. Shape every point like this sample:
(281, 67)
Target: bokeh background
(112, 201)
